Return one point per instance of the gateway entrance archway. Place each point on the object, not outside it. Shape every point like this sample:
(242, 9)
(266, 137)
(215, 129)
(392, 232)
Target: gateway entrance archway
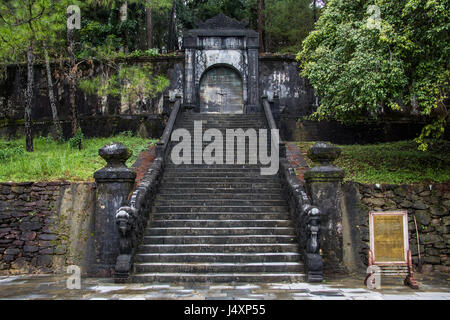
(221, 91)
(221, 41)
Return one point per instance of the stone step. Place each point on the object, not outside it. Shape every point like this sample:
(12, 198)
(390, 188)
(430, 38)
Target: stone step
(229, 120)
(218, 239)
(219, 248)
(202, 190)
(222, 125)
(223, 161)
(235, 151)
(242, 179)
(219, 196)
(220, 216)
(222, 209)
(219, 202)
(217, 277)
(214, 166)
(236, 117)
(182, 168)
(219, 257)
(214, 175)
(220, 223)
(180, 231)
(223, 185)
(209, 124)
(217, 267)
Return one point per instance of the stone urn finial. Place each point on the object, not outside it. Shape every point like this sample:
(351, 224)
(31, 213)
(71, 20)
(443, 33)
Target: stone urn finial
(324, 153)
(115, 154)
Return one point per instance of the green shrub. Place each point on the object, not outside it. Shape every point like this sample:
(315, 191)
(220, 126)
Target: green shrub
(77, 140)
(9, 149)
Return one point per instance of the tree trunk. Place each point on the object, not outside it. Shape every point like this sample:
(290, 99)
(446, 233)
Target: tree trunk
(124, 18)
(314, 11)
(262, 47)
(148, 12)
(72, 77)
(124, 11)
(172, 40)
(29, 98)
(57, 130)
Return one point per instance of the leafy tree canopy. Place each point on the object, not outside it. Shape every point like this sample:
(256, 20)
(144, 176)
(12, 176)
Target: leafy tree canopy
(365, 61)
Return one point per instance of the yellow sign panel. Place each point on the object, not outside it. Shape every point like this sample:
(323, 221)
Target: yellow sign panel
(388, 237)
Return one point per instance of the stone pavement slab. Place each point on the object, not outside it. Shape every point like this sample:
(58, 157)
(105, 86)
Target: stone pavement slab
(43, 287)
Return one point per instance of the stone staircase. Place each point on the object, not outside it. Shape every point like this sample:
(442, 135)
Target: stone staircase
(219, 223)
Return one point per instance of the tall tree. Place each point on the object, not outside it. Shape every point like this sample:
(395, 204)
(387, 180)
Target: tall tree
(149, 24)
(314, 4)
(152, 6)
(172, 38)
(57, 130)
(19, 24)
(261, 28)
(123, 20)
(287, 23)
(29, 98)
(72, 78)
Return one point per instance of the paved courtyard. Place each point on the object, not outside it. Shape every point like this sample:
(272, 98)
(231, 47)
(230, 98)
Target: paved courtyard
(35, 287)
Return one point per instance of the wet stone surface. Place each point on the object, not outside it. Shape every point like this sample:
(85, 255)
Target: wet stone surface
(37, 287)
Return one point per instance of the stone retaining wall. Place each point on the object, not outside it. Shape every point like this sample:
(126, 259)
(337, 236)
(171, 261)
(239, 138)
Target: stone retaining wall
(430, 204)
(44, 226)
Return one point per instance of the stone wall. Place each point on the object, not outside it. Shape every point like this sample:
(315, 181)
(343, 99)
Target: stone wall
(430, 204)
(45, 226)
(91, 109)
(147, 126)
(280, 75)
(276, 74)
(360, 133)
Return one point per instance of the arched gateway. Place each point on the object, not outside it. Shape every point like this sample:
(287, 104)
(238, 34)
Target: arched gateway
(221, 67)
(221, 91)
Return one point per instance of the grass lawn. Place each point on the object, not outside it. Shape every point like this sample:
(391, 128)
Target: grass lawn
(392, 163)
(58, 161)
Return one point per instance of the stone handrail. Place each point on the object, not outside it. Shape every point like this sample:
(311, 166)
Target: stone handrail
(163, 145)
(272, 126)
(306, 219)
(306, 216)
(132, 219)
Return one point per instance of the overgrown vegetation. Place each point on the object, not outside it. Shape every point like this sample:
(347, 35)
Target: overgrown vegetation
(132, 83)
(367, 58)
(392, 163)
(59, 161)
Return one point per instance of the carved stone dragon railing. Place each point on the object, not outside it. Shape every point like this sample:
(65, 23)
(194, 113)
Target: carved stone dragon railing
(306, 216)
(132, 219)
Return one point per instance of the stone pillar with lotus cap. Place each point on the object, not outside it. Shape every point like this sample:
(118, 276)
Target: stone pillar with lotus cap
(114, 183)
(323, 184)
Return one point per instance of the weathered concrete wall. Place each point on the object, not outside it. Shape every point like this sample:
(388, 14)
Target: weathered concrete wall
(332, 131)
(147, 126)
(276, 74)
(280, 75)
(90, 108)
(45, 226)
(430, 204)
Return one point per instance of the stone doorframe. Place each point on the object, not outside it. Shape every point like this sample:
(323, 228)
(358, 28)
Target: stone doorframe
(221, 41)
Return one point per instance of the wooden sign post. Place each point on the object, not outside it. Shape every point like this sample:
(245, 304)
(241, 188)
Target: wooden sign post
(389, 245)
